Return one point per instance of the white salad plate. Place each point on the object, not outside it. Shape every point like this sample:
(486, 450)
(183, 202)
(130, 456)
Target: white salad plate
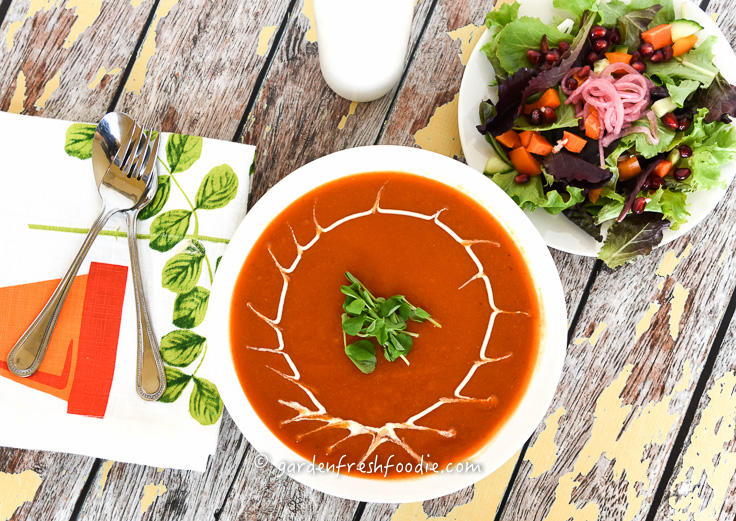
(556, 230)
(546, 373)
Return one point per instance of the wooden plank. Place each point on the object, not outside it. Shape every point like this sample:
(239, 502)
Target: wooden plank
(297, 118)
(126, 491)
(199, 63)
(40, 485)
(53, 62)
(703, 485)
(643, 336)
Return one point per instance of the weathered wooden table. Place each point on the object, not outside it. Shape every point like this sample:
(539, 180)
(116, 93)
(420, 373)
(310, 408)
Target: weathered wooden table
(643, 425)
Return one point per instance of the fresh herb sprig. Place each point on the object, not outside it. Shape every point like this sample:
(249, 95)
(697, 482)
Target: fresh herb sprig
(383, 319)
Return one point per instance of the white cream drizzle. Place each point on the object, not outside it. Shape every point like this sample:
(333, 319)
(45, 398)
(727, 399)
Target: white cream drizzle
(387, 432)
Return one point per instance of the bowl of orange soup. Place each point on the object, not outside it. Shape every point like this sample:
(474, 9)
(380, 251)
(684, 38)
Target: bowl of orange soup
(421, 407)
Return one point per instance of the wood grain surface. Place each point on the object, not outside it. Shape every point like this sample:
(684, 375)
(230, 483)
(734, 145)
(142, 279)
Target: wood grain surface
(643, 424)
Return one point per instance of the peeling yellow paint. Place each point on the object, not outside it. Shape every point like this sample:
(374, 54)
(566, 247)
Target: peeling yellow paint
(35, 6)
(135, 3)
(308, 11)
(150, 493)
(468, 36)
(87, 12)
(486, 499)
(101, 74)
(351, 111)
(621, 434)
(16, 489)
(264, 38)
(160, 469)
(643, 325)
(266, 131)
(543, 454)
(19, 96)
(103, 479)
(714, 17)
(441, 134)
(679, 298)
(48, 90)
(701, 485)
(594, 337)
(148, 49)
(720, 259)
(670, 261)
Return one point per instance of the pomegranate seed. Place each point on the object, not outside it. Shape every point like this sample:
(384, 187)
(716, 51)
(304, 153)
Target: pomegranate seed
(646, 49)
(534, 56)
(600, 45)
(670, 121)
(614, 36)
(657, 56)
(646, 185)
(681, 174)
(655, 182)
(598, 32)
(725, 118)
(563, 46)
(571, 83)
(685, 151)
(544, 45)
(521, 179)
(639, 204)
(553, 56)
(667, 52)
(591, 58)
(636, 56)
(583, 72)
(639, 67)
(535, 117)
(548, 115)
(683, 124)
(657, 93)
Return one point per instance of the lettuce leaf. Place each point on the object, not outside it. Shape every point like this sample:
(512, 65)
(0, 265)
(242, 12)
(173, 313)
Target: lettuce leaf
(633, 23)
(719, 99)
(713, 145)
(521, 35)
(531, 195)
(679, 91)
(503, 15)
(696, 65)
(632, 238)
(640, 141)
(574, 7)
(489, 50)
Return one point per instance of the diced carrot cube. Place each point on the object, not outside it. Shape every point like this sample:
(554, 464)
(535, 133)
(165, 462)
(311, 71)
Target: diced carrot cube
(592, 124)
(509, 139)
(628, 168)
(526, 136)
(618, 57)
(684, 44)
(550, 99)
(663, 168)
(524, 163)
(593, 195)
(575, 144)
(659, 36)
(539, 145)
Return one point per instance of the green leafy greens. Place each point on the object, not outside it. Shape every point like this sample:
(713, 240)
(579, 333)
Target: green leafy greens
(383, 319)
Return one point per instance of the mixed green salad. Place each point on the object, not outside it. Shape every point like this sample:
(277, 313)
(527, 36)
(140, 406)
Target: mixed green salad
(613, 114)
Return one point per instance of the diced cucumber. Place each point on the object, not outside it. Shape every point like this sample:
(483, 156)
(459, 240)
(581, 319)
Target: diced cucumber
(683, 27)
(663, 106)
(498, 162)
(600, 65)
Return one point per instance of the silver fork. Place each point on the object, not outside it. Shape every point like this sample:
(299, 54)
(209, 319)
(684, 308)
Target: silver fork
(150, 376)
(122, 185)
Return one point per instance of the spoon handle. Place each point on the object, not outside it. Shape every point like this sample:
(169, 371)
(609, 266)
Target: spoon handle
(27, 354)
(150, 377)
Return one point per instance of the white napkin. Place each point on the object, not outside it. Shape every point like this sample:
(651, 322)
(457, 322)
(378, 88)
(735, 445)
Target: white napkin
(49, 201)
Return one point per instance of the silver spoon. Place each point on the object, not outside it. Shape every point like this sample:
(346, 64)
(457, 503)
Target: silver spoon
(117, 161)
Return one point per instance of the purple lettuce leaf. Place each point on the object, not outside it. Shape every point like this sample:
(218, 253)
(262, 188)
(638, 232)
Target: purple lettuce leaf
(508, 107)
(635, 237)
(719, 98)
(574, 171)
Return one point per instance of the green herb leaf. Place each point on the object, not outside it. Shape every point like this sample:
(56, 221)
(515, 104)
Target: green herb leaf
(169, 228)
(190, 308)
(352, 325)
(218, 188)
(181, 272)
(159, 200)
(363, 354)
(355, 307)
(205, 404)
(79, 137)
(182, 151)
(176, 382)
(182, 347)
